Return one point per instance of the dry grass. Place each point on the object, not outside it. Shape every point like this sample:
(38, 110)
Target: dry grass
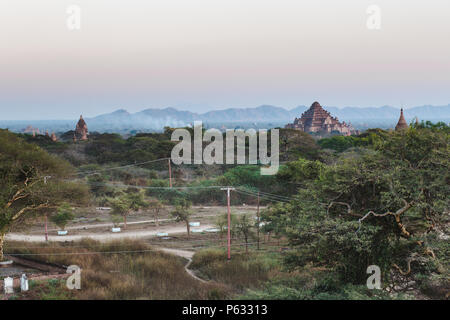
(147, 274)
(243, 271)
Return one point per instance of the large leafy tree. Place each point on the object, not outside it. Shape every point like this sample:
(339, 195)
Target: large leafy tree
(245, 227)
(221, 223)
(385, 205)
(156, 206)
(126, 203)
(63, 215)
(182, 212)
(33, 183)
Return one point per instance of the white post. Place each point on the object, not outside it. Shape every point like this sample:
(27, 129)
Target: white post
(228, 189)
(23, 283)
(8, 285)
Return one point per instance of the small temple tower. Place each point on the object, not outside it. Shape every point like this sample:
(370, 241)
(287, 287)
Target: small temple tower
(81, 129)
(401, 124)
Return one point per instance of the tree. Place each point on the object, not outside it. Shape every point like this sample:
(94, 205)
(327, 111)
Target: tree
(222, 224)
(127, 203)
(63, 216)
(296, 143)
(244, 227)
(383, 205)
(33, 183)
(116, 219)
(182, 213)
(137, 200)
(156, 206)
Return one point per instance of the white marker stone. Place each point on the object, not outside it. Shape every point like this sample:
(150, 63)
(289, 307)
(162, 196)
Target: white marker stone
(8, 285)
(23, 283)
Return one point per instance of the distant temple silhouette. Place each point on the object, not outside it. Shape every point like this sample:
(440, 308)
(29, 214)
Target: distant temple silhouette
(81, 130)
(317, 119)
(401, 124)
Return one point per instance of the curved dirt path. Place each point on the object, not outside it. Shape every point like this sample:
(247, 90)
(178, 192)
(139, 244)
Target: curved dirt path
(185, 254)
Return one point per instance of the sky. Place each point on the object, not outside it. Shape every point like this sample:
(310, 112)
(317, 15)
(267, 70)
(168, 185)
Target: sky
(202, 55)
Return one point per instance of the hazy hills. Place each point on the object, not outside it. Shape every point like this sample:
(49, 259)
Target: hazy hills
(156, 119)
(272, 113)
(265, 116)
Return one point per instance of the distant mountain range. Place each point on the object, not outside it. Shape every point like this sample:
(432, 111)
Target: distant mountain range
(262, 116)
(158, 118)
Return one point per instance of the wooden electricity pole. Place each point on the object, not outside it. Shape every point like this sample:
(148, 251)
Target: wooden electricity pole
(46, 230)
(257, 222)
(228, 189)
(46, 222)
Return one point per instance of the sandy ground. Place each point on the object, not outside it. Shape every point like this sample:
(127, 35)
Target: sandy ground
(105, 236)
(95, 224)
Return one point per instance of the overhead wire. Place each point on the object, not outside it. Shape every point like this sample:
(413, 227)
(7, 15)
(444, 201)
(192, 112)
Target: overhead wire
(127, 251)
(120, 167)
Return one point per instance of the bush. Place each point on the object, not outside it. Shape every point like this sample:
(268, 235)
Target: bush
(63, 216)
(242, 271)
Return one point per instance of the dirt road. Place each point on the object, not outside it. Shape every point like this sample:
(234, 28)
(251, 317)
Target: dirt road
(185, 254)
(103, 236)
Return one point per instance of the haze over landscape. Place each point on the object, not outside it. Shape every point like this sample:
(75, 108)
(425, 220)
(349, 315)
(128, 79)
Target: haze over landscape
(203, 56)
(110, 191)
(260, 117)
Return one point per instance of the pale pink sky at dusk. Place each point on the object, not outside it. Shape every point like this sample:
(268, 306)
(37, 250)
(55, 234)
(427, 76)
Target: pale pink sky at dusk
(200, 55)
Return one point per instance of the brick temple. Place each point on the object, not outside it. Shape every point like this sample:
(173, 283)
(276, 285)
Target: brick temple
(401, 124)
(316, 119)
(81, 130)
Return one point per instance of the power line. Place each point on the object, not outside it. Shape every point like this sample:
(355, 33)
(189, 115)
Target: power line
(123, 251)
(249, 192)
(106, 244)
(146, 162)
(266, 197)
(269, 199)
(121, 167)
(265, 193)
(156, 188)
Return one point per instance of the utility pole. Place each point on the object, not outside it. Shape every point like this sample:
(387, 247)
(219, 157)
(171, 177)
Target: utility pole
(258, 222)
(170, 174)
(228, 189)
(46, 230)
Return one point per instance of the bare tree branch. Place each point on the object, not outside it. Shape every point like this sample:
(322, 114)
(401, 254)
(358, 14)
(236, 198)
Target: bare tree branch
(36, 207)
(349, 208)
(397, 214)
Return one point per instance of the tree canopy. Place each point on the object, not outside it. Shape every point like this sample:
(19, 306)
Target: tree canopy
(384, 205)
(33, 182)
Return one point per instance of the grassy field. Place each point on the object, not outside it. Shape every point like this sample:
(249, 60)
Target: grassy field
(131, 269)
(119, 270)
(243, 271)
